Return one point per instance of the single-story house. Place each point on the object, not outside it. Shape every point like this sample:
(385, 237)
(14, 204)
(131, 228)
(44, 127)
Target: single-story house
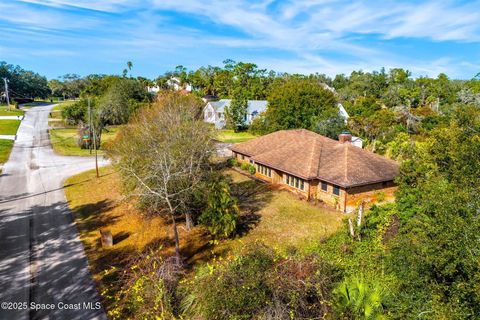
(214, 111)
(320, 168)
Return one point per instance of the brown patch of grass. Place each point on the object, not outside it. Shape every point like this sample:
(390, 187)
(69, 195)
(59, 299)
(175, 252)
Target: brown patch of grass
(98, 204)
(277, 218)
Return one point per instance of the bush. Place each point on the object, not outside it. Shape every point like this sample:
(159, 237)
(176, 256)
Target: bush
(221, 214)
(148, 289)
(244, 166)
(300, 288)
(248, 167)
(262, 285)
(232, 162)
(235, 290)
(76, 112)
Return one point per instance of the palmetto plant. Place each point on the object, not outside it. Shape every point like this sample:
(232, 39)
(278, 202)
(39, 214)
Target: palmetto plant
(355, 298)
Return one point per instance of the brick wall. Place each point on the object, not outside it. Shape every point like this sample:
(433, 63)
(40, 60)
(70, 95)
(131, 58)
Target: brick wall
(338, 202)
(347, 201)
(370, 194)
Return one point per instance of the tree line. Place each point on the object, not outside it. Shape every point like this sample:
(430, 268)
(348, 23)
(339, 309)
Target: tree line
(23, 84)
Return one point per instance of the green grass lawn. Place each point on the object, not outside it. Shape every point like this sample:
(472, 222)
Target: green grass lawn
(5, 149)
(234, 137)
(277, 217)
(64, 141)
(4, 111)
(63, 104)
(55, 119)
(9, 126)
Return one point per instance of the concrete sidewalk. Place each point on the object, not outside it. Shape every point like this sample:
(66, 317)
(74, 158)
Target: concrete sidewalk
(12, 117)
(8, 137)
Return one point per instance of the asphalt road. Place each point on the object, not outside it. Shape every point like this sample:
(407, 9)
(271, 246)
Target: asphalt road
(42, 261)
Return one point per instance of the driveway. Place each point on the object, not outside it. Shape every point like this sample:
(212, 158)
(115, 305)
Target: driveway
(42, 261)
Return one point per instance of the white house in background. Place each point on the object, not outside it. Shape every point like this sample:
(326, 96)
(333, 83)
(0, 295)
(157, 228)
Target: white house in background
(214, 111)
(154, 89)
(356, 141)
(343, 112)
(176, 84)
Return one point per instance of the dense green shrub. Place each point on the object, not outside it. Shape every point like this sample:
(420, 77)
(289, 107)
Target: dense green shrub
(248, 167)
(77, 112)
(236, 289)
(232, 162)
(221, 214)
(261, 284)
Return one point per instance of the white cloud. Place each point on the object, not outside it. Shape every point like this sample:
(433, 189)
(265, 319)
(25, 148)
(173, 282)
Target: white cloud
(97, 5)
(312, 35)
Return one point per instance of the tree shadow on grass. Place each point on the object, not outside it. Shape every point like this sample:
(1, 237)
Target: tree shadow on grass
(252, 196)
(91, 217)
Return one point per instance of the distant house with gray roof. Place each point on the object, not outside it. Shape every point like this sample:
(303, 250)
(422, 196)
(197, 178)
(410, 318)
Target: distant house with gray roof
(214, 111)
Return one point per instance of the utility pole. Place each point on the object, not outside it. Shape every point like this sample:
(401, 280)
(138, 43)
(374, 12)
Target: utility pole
(6, 92)
(92, 128)
(89, 126)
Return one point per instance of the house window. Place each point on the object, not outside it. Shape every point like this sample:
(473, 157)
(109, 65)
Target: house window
(336, 190)
(209, 114)
(324, 186)
(243, 157)
(295, 182)
(251, 161)
(264, 170)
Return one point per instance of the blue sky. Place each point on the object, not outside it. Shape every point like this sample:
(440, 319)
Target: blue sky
(54, 37)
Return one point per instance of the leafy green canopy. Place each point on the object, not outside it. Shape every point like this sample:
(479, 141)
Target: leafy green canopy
(221, 213)
(297, 102)
(23, 83)
(437, 256)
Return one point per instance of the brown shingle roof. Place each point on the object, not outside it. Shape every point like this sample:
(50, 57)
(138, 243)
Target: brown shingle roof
(309, 155)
